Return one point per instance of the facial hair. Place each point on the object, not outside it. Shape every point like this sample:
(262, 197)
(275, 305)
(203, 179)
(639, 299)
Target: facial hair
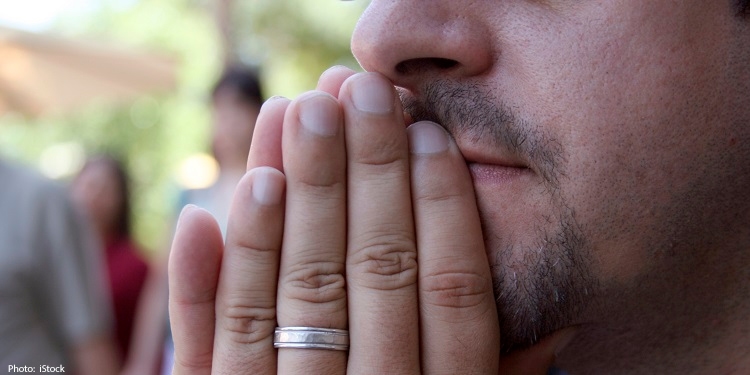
(542, 285)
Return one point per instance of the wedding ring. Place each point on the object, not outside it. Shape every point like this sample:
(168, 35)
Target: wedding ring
(311, 338)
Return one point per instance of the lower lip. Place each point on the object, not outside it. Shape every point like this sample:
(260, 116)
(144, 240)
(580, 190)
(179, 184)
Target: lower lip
(495, 174)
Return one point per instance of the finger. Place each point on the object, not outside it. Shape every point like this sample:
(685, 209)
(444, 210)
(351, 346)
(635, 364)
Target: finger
(382, 258)
(332, 79)
(458, 317)
(312, 289)
(246, 297)
(266, 146)
(193, 269)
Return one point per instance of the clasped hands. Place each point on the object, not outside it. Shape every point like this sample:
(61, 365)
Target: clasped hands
(346, 219)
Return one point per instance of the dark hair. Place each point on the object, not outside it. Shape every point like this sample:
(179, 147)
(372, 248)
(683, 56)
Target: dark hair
(743, 6)
(244, 81)
(122, 225)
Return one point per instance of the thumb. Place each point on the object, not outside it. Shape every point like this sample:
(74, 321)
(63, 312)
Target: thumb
(537, 359)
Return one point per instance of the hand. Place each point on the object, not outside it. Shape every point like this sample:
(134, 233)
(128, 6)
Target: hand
(344, 220)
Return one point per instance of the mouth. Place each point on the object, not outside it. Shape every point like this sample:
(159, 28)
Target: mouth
(496, 174)
(493, 170)
(492, 158)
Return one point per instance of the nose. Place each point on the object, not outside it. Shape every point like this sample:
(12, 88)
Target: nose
(411, 41)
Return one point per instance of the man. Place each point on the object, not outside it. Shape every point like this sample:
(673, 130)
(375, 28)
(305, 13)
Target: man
(608, 146)
(54, 312)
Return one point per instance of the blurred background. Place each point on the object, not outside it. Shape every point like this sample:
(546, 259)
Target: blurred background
(133, 78)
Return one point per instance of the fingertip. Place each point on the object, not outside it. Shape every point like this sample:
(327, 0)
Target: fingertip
(186, 210)
(197, 244)
(336, 70)
(268, 185)
(319, 113)
(265, 148)
(270, 113)
(192, 216)
(426, 137)
(332, 79)
(270, 110)
(258, 202)
(276, 100)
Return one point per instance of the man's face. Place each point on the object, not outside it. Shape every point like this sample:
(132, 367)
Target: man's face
(234, 120)
(96, 191)
(606, 139)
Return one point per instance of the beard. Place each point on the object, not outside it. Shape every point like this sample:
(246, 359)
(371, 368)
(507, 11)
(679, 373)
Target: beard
(541, 284)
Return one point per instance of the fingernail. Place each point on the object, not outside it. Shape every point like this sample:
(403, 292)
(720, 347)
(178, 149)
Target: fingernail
(319, 113)
(427, 138)
(336, 67)
(372, 93)
(268, 185)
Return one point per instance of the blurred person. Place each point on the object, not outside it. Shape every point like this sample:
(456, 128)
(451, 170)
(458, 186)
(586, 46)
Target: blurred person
(101, 190)
(236, 99)
(54, 309)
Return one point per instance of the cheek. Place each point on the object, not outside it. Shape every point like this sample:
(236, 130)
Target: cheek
(614, 78)
(618, 93)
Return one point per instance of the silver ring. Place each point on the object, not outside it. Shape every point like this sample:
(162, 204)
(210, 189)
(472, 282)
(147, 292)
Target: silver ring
(311, 338)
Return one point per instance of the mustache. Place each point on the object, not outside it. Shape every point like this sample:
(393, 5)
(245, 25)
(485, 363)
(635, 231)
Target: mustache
(469, 111)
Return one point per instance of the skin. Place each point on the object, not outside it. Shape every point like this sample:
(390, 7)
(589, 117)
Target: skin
(96, 191)
(605, 203)
(232, 131)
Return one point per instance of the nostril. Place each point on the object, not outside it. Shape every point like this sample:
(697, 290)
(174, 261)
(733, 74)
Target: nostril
(422, 65)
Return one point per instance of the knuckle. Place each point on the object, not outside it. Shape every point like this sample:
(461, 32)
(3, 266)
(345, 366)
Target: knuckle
(383, 153)
(439, 195)
(318, 283)
(247, 324)
(318, 189)
(388, 262)
(455, 290)
(193, 363)
(247, 252)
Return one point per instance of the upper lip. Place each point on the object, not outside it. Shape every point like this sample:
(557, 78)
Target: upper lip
(475, 151)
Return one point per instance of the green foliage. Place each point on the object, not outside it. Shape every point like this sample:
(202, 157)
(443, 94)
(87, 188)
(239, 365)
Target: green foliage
(292, 40)
(296, 39)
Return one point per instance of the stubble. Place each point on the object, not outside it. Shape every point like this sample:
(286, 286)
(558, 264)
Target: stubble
(540, 284)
